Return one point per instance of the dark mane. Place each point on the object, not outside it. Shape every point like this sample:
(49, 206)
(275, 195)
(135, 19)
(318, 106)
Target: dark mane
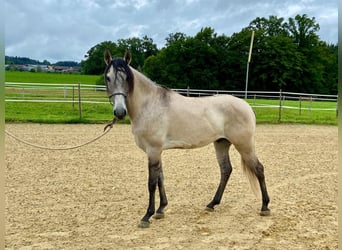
(120, 64)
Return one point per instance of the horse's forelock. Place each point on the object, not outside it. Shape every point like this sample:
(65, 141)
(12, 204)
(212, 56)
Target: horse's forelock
(121, 65)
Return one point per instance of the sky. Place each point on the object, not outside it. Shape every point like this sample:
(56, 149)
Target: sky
(64, 30)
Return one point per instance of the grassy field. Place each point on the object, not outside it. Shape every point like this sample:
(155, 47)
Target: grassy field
(102, 113)
(38, 77)
(57, 113)
(306, 112)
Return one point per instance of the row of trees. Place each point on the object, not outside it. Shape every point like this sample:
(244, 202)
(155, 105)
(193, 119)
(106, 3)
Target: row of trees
(17, 60)
(23, 60)
(141, 49)
(287, 55)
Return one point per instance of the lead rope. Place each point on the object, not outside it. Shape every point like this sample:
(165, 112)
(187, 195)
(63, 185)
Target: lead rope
(105, 131)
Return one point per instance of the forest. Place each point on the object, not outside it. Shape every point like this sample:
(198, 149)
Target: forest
(287, 55)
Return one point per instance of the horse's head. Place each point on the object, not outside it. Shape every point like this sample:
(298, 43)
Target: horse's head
(119, 82)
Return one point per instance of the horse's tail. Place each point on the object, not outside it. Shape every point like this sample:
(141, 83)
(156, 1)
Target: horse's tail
(249, 168)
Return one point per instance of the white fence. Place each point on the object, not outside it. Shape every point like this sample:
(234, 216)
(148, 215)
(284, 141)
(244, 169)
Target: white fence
(82, 93)
(54, 93)
(260, 94)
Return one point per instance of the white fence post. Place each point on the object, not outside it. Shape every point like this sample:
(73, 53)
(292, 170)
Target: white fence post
(280, 104)
(65, 92)
(73, 97)
(79, 100)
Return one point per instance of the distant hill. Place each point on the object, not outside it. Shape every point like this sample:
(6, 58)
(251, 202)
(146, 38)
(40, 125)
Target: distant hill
(24, 60)
(21, 60)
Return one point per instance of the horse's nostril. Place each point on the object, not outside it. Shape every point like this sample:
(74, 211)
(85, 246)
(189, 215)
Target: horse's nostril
(120, 113)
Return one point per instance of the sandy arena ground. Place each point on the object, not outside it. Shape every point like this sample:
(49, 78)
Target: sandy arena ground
(95, 196)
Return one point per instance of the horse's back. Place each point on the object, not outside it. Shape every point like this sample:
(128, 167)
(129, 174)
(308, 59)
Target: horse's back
(229, 109)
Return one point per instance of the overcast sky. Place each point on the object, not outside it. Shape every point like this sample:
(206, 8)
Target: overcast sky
(64, 30)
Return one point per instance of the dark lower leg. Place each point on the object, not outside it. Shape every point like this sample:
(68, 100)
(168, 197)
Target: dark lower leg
(265, 198)
(221, 148)
(219, 193)
(162, 194)
(154, 172)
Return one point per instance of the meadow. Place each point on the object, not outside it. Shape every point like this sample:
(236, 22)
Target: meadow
(41, 77)
(267, 110)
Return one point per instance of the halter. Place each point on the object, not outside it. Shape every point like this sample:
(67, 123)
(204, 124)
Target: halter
(114, 94)
(123, 94)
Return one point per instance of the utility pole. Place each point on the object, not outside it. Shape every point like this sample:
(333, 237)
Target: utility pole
(248, 61)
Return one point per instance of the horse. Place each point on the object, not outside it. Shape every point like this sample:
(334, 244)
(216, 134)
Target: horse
(163, 119)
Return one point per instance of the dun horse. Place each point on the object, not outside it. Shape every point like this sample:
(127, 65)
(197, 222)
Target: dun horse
(163, 119)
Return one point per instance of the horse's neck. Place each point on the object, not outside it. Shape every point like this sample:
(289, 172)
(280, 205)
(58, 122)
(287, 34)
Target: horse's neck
(143, 89)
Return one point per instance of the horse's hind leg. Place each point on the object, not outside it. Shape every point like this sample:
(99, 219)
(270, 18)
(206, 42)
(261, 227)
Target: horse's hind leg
(265, 198)
(254, 169)
(221, 148)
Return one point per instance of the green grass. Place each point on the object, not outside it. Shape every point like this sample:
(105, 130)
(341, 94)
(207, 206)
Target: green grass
(53, 112)
(102, 113)
(39, 77)
(307, 114)
(20, 112)
(271, 115)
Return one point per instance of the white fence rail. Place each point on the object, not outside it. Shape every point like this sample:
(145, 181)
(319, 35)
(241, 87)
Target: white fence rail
(259, 94)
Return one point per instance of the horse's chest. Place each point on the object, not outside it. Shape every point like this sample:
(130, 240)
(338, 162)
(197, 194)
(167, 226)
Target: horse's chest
(148, 137)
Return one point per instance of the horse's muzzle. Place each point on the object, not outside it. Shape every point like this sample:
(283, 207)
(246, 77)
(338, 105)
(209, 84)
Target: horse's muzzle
(120, 113)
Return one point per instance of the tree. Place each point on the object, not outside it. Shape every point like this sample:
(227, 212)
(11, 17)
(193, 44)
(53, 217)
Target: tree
(46, 62)
(237, 54)
(303, 30)
(94, 63)
(287, 55)
(276, 65)
(166, 67)
(186, 61)
(140, 49)
(67, 63)
(273, 26)
(329, 58)
(276, 62)
(175, 37)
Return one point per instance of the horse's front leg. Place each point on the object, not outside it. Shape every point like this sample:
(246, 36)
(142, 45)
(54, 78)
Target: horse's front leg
(155, 177)
(163, 200)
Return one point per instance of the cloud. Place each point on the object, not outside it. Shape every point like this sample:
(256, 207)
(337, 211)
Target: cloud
(66, 30)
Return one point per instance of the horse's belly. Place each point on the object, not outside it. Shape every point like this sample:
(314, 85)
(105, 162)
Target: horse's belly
(192, 138)
(179, 144)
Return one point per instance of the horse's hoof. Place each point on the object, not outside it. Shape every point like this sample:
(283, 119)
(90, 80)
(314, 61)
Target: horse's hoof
(209, 209)
(144, 224)
(265, 213)
(158, 216)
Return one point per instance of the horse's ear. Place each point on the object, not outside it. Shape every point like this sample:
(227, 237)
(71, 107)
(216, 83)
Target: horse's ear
(128, 56)
(107, 57)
